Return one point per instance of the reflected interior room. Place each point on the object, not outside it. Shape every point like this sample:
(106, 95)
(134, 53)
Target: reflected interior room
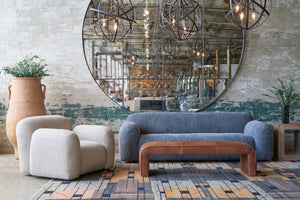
(182, 66)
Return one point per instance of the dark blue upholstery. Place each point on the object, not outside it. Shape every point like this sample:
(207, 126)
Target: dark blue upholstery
(186, 126)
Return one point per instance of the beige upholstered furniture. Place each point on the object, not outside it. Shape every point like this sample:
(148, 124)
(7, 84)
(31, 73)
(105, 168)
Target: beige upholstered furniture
(48, 147)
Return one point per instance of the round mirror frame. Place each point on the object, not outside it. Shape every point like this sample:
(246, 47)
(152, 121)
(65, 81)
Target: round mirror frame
(163, 85)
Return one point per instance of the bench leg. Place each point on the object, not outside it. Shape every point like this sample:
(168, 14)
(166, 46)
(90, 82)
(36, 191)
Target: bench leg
(248, 163)
(144, 165)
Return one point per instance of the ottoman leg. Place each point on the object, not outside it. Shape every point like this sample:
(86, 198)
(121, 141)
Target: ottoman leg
(248, 163)
(144, 164)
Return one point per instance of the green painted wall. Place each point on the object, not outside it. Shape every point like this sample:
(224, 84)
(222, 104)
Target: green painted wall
(261, 110)
(92, 114)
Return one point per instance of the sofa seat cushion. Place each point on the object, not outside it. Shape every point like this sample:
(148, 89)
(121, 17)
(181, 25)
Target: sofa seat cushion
(93, 156)
(237, 137)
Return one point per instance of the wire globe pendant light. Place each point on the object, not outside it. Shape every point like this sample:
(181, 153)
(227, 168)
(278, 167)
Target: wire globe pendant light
(180, 18)
(167, 50)
(248, 14)
(112, 19)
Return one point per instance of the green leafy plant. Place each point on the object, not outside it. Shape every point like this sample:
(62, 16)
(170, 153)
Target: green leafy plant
(285, 93)
(192, 104)
(28, 67)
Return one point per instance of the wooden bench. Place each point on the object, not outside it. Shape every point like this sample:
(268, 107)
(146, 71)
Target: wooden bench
(248, 162)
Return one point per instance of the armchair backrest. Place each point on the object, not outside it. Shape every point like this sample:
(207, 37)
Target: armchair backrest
(25, 129)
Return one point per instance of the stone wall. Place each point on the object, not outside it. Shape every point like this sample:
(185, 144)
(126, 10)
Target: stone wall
(52, 30)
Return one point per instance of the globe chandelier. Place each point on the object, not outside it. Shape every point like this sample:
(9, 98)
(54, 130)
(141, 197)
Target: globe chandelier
(248, 14)
(199, 48)
(130, 54)
(112, 19)
(180, 18)
(167, 50)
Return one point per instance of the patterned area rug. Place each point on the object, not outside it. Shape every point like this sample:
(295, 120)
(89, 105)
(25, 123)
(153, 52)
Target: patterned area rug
(181, 180)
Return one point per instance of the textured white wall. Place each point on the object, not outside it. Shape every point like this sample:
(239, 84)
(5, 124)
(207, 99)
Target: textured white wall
(52, 29)
(272, 51)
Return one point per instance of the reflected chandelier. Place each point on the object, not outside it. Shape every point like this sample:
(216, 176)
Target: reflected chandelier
(130, 54)
(248, 14)
(180, 18)
(167, 50)
(197, 49)
(112, 18)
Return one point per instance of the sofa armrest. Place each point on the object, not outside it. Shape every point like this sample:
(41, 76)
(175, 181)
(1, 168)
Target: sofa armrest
(129, 135)
(262, 135)
(27, 126)
(102, 135)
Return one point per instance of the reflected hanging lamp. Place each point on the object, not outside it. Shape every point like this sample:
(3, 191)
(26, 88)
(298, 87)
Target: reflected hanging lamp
(130, 54)
(167, 50)
(112, 19)
(248, 14)
(180, 18)
(199, 49)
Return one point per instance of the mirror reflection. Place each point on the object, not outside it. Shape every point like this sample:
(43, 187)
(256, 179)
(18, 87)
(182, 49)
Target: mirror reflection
(143, 63)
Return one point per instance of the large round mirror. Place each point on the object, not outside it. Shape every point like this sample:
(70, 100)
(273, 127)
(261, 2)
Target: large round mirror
(143, 62)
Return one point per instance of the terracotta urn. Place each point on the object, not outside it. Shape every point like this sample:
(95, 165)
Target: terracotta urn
(26, 99)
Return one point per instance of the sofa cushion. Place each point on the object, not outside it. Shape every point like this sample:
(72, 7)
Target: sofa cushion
(237, 137)
(206, 122)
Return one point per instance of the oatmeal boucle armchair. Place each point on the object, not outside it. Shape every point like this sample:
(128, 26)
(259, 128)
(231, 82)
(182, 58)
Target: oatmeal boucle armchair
(48, 147)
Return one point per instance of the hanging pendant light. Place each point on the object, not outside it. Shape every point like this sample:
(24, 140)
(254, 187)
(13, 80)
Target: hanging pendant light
(248, 14)
(180, 18)
(199, 49)
(112, 19)
(167, 50)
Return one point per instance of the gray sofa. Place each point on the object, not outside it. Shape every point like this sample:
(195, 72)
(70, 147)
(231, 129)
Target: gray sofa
(185, 126)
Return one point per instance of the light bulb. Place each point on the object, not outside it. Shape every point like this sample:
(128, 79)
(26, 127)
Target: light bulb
(132, 57)
(242, 16)
(202, 54)
(146, 12)
(183, 25)
(104, 23)
(116, 26)
(198, 53)
(173, 21)
(253, 15)
(237, 8)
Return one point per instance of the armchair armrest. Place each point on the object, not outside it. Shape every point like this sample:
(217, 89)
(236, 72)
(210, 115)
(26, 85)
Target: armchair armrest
(129, 135)
(55, 153)
(27, 126)
(262, 135)
(102, 135)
